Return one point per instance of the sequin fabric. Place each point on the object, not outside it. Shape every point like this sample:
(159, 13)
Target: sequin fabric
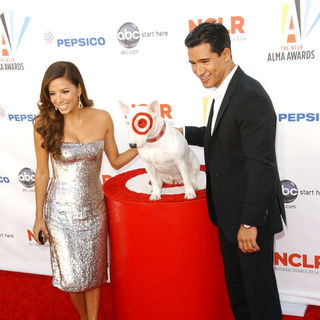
(75, 213)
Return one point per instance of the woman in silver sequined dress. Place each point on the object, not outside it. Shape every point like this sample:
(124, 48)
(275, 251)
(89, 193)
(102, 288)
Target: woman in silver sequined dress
(71, 212)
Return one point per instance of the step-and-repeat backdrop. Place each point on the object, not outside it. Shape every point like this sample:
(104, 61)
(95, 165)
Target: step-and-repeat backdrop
(134, 51)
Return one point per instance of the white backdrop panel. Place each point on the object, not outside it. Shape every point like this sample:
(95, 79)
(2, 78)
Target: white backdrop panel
(157, 68)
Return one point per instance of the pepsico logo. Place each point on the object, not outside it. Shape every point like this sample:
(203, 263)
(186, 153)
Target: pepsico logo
(2, 113)
(48, 37)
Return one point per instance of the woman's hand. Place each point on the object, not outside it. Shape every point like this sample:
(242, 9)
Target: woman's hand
(40, 225)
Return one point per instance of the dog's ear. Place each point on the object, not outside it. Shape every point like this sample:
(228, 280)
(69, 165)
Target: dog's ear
(124, 107)
(154, 107)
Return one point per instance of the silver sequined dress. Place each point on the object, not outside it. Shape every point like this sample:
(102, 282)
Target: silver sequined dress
(75, 214)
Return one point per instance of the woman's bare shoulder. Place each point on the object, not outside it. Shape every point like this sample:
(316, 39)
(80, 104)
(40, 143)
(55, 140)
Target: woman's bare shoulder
(98, 113)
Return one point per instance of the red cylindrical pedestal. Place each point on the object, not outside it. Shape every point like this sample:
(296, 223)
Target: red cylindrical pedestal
(165, 257)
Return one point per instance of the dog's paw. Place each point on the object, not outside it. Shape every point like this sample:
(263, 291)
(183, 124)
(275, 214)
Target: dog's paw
(190, 195)
(155, 196)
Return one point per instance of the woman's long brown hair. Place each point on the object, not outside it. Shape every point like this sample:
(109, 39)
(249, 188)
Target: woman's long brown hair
(50, 122)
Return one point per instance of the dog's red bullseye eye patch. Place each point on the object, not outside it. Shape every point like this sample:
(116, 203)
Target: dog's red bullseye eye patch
(142, 123)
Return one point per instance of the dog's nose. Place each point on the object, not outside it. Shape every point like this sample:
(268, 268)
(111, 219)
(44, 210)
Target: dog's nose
(132, 145)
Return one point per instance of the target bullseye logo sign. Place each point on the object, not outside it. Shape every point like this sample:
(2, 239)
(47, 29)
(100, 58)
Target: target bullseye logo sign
(142, 123)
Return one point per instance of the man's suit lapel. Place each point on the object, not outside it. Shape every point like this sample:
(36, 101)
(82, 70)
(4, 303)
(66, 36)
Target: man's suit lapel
(225, 102)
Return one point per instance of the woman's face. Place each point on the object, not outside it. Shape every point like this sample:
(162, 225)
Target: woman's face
(64, 95)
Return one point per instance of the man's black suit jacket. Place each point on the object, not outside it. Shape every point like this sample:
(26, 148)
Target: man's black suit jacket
(242, 177)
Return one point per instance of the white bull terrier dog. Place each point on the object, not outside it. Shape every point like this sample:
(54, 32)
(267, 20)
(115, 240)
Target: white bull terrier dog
(165, 152)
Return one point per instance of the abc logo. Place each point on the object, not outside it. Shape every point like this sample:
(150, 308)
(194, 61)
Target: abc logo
(289, 191)
(27, 177)
(128, 35)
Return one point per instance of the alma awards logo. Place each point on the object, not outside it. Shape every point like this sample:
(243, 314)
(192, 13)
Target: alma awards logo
(299, 19)
(12, 31)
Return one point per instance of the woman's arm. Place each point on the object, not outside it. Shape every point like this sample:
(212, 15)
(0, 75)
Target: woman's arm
(41, 184)
(116, 159)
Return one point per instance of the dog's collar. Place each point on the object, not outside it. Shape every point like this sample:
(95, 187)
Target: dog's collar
(161, 133)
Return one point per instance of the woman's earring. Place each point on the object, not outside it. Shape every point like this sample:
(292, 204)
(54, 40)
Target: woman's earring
(56, 108)
(80, 103)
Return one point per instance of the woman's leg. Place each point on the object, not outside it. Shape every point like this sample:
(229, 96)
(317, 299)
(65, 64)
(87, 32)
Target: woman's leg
(92, 298)
(79, 301)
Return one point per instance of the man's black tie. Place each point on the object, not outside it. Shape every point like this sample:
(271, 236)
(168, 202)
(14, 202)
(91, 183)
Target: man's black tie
(209, 123)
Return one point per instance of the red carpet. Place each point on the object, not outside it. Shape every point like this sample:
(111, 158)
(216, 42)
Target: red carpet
(32, 297)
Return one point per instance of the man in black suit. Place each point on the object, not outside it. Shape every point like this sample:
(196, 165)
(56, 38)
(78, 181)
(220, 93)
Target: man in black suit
(243, 188)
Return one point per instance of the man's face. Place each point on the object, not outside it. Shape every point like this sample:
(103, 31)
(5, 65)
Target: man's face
(208, 66)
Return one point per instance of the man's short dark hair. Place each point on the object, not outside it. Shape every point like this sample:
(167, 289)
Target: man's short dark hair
(213, 33)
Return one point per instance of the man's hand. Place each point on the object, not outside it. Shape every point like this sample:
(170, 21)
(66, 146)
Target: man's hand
(247, 239)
